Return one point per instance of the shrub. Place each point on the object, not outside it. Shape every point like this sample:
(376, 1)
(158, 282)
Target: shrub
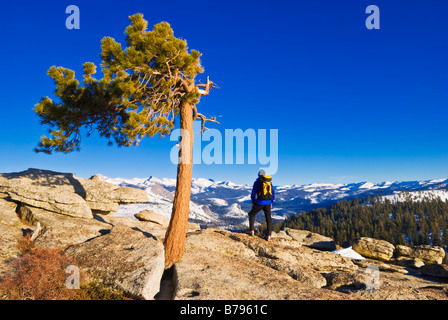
(25, 244)
(97, 291)
(37, 274)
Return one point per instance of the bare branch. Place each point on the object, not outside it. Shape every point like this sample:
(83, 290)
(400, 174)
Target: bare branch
(169, 70)
(203, 119)
(195, 112)
(207, 87)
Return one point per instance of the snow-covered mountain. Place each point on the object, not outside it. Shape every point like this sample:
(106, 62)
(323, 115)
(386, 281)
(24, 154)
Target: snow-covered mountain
(226, 204)
(400, 196)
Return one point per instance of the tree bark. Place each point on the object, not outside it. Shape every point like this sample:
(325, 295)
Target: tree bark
(177, 229)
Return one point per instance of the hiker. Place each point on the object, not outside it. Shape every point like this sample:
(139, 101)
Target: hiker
(262, 198)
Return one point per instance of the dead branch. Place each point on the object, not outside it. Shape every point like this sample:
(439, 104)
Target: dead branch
(207, 87)
(204, 119)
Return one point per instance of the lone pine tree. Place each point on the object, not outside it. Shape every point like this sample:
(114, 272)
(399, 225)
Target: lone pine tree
(144, 88)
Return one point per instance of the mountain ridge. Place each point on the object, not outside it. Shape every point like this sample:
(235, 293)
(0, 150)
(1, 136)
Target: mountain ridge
(225, 204)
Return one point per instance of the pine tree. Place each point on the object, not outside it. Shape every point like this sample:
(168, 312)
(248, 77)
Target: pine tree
(445, 238)
(144, 88)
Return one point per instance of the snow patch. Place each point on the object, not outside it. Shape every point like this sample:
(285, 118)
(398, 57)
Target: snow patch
(235, 211)
(367, 185)
(349, 253)
(399, 196)
(218, 202)
(245, 198)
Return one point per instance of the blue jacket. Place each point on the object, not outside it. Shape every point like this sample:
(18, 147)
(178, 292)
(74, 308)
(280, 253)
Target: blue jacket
(255, 190)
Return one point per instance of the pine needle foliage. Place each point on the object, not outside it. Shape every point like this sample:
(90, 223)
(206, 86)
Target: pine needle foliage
(140, 94)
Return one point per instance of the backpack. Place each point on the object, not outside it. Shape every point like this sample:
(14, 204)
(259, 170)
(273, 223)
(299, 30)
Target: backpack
(265, 192)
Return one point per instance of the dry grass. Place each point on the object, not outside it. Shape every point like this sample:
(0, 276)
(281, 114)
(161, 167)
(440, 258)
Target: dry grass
(39, 274)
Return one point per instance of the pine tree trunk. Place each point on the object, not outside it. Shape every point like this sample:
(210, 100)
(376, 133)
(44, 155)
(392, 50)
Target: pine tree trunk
(177, 230)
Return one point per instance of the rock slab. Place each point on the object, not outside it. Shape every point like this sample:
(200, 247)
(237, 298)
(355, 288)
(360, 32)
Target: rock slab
(311, 239)
(216, 276)
(67, 194)
(373, 248)
(435, 270)
(426, 253)
(128, 259)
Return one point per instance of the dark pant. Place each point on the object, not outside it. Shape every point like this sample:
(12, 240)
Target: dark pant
(267, 213)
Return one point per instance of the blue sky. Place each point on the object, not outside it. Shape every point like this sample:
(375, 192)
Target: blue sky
(350, 104)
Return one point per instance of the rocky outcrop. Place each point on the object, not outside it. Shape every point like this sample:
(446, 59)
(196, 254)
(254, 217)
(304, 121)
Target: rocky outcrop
(105, 198)
(49, 198)
(152, 216)
(255, 261)
(336, 280)
(425, 253)
(409, 262)
(128, 254)
(373, 248)
(380, 265)
(67, 194)
(219, 276)
(311, 239)
(10, 230)
(435, 270)
(219, 264)
(162, 221)
(120, 252)
(127, 259)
